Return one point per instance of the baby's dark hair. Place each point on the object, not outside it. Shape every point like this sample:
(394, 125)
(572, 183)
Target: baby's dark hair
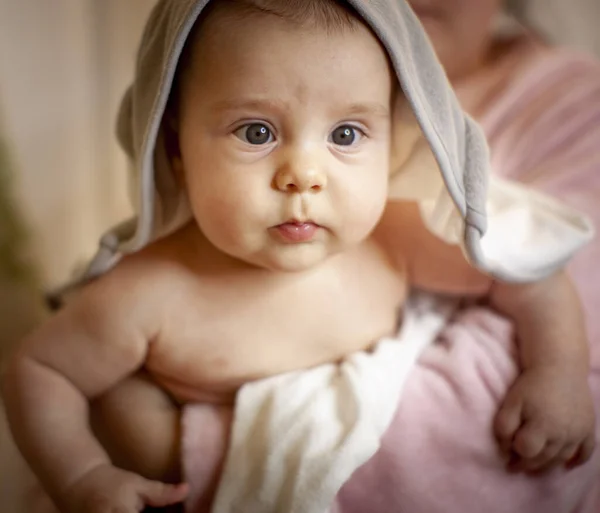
(326, 14)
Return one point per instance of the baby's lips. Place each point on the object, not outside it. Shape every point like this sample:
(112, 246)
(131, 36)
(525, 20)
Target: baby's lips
(297, 232)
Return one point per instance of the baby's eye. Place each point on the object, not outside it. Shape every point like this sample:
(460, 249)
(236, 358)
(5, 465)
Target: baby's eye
(346, 135)
(256, 134)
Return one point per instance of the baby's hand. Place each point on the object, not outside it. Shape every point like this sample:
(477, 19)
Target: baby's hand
(547, 420)
(107, 489)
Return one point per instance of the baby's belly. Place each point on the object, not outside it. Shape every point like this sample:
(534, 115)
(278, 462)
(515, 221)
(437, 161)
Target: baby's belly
(215, 376)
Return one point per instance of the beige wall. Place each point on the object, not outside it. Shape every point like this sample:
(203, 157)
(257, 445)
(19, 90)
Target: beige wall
(571, 22)
(63, 67)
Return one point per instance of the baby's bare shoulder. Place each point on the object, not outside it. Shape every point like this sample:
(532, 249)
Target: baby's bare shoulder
(142, 282)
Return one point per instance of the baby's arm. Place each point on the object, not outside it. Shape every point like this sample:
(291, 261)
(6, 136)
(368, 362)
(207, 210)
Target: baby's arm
(547, 417)
(79, 354)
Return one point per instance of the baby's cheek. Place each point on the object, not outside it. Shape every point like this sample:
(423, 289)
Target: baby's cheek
(213, 213)
(365, 204)
(359, 224)
(230, 223)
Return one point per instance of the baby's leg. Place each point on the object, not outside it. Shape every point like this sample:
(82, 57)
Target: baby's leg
(139, 426)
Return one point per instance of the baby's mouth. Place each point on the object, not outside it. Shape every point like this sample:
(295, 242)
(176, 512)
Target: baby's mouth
(295, 231)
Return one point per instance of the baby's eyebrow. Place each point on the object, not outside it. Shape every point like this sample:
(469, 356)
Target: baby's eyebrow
(368, 109)
(354, 109)
(248, 103)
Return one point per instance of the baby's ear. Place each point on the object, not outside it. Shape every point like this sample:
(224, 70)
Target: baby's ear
(170, 130)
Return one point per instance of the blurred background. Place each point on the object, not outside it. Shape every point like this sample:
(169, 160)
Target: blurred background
(63, 67)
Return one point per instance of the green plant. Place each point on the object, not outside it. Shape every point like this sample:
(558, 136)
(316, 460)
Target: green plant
(15, 263)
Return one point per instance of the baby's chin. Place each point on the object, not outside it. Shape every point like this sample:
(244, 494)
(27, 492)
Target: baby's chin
(295, 258)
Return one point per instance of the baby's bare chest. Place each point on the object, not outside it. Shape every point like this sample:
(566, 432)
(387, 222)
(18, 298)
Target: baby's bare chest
(237, 329)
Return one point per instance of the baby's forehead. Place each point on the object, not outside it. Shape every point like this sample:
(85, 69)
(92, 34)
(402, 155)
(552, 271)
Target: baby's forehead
(222, 28)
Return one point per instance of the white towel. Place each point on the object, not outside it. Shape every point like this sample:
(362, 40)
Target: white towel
(298, 437)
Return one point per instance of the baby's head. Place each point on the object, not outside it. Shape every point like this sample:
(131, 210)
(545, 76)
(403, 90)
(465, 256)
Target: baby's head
(280, 129)
(280, 115)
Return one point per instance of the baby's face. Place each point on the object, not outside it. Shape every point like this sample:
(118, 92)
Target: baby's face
(284, 136)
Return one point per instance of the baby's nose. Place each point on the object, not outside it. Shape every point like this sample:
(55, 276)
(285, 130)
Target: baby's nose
(301, 179)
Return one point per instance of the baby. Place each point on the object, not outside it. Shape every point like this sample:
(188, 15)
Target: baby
(279, 130)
